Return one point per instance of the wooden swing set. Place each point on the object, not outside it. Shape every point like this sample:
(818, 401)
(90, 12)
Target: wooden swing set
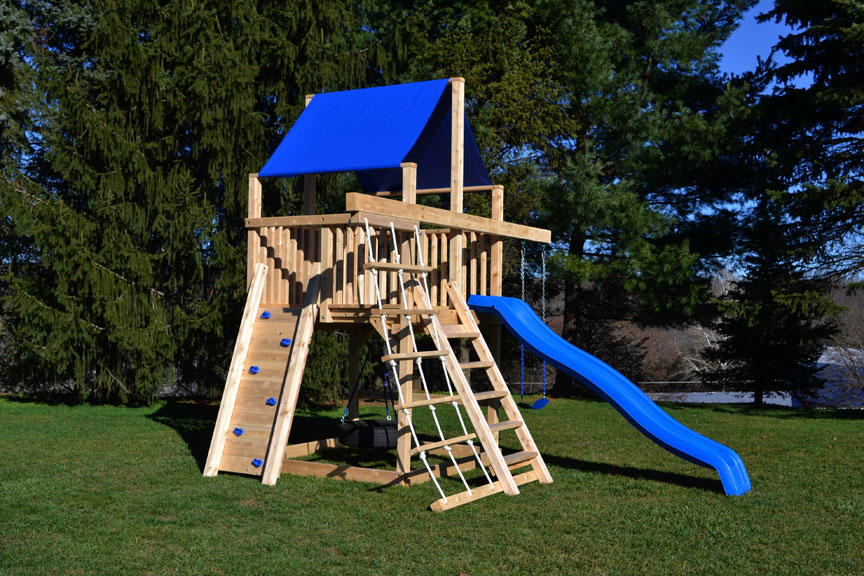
(387, 266)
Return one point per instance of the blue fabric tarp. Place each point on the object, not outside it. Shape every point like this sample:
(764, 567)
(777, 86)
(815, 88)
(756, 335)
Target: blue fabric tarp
(371, 132)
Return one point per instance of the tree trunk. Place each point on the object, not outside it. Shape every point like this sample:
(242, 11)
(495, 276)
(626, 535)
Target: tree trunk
(759, 398)
(565, 385)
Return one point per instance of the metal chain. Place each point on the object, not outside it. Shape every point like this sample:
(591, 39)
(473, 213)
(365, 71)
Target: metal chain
(543, 308)
(522, 346)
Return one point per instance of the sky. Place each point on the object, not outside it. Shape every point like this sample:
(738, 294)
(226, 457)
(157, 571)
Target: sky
(750, 40)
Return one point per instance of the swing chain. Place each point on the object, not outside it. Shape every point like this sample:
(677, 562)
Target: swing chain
(543, 308)
(522, 346)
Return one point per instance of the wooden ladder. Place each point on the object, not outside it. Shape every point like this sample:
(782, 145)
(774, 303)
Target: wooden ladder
(485, 431)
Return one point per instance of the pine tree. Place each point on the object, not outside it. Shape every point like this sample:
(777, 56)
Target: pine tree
(151, 118)
(592, 115)
(776, 319)
(817, 118)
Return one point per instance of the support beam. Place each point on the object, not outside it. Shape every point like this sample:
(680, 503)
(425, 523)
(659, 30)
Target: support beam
(355, 202)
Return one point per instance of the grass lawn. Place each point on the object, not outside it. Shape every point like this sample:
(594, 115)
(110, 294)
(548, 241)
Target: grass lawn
(110, 490)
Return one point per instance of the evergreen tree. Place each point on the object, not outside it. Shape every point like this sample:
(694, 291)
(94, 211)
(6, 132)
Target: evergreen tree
(597, 118)
(816, 127)
(151, 117)
(776, 319)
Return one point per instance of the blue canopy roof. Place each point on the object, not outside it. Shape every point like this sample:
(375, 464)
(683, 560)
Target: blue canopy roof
(372, 131)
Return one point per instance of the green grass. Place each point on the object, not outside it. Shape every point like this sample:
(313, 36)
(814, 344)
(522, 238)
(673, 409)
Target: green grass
(109, 490)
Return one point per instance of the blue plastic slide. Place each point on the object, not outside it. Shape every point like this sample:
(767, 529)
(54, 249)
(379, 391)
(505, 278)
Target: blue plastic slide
(629, 400)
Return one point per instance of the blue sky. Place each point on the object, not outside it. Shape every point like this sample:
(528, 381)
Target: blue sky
(751, 40)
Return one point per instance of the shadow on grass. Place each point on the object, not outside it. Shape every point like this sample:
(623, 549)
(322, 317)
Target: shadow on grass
(707, 484)
(194, 423)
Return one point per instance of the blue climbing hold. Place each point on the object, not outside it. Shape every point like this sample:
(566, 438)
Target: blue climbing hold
(254, 369)
(271, 401)
(257, 462)
(285, 342)
(265, 315)
(238, 431)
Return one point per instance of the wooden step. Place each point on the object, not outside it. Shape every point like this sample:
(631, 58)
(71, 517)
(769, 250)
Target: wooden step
(429, 401)
(506, 425)
(477, 364)
(520, 458)
(442, 443)
(479, 492)
(394, 267)
(455, 335)
(413, 355)
(403, 312)
(490, 395)
(458, 331)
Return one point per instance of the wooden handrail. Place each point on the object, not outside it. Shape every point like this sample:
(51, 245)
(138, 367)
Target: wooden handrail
(328, 220)
(355, 202)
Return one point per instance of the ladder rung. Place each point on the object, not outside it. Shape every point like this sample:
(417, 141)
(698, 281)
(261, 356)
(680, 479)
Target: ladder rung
(441, 444)
(394, 267)
(520, 457)
(429, 401)
(413, 355)
(403, 312)
(455, 335)
(490, 395)
(477, 364)
(505, 425)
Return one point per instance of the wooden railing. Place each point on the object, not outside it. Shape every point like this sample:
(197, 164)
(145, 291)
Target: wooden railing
(467, 248)
(338, 252)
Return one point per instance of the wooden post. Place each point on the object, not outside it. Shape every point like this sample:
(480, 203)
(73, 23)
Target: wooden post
(309, 194)
(253, 235)
(406, 383)
(409, 182)
(457, 168)
(327, 271)
(457, 142)
(309, 182)
(497, 255)
(357, 338)
(493, 340)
